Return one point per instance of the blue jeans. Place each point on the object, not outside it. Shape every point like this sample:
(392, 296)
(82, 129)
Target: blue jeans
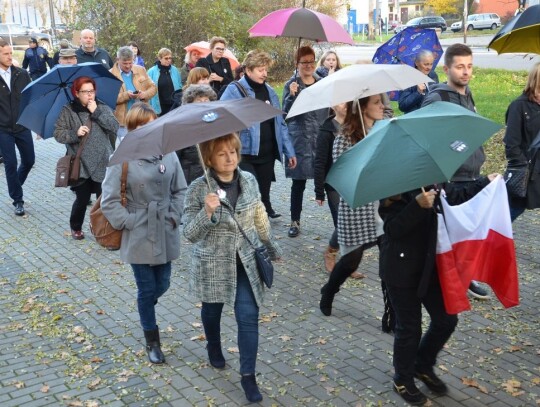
(16, 176)
(246, 312)
(152, 283)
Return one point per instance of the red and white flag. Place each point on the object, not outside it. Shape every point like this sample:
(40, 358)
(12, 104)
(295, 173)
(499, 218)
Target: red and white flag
(475, 242)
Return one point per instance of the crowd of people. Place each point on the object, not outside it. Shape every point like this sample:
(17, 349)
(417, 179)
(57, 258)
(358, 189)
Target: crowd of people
(228, 206)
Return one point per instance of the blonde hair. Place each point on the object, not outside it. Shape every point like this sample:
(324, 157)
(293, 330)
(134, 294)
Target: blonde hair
(533, 81)
(257, 58)
(139, 114)
(208, 148)
(163, 52)
(325, 55)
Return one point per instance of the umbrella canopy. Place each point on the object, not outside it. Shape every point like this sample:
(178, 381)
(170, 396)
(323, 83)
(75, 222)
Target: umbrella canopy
(191, 124)
(43, 99)
(356, 81)
(203, 47)
(403, 47)
(300, 23)
(521, 34)
(405, 153)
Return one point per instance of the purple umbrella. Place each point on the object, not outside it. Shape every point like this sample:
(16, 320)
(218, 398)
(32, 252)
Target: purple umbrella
(300, 23)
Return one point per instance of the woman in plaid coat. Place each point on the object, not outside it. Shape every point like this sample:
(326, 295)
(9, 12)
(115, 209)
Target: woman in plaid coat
(223, 266)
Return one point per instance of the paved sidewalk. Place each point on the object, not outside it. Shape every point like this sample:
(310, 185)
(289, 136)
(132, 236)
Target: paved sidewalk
(69, 330)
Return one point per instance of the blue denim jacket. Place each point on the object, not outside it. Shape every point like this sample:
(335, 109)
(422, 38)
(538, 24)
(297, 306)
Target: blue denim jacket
(250, 137)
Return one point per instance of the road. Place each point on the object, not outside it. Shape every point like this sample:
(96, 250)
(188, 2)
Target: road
(483, 58)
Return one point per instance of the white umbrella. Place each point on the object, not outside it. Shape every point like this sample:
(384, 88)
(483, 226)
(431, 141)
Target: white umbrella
(354, 82)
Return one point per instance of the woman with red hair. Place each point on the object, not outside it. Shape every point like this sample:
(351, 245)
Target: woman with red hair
(88, 124)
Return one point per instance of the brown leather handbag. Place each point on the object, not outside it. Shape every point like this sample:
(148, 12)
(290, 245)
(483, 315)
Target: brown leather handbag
(107, 236)
(68, 167)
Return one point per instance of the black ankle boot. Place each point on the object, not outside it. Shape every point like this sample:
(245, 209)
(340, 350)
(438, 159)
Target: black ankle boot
(215, 355)
(153, 346)
(249, 384)
(326, 302)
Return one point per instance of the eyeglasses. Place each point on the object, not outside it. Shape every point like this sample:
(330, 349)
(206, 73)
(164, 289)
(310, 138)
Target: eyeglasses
(167, 58)
(88, 92)
(306, 63)
(219, 49)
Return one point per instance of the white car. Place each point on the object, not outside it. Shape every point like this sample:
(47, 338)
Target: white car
(485, 21)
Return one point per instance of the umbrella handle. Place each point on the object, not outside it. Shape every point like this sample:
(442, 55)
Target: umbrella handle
(203, 166)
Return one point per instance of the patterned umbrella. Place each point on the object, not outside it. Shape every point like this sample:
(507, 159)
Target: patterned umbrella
(403, 47)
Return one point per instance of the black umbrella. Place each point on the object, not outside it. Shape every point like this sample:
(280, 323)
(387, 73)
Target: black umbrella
(521, 34)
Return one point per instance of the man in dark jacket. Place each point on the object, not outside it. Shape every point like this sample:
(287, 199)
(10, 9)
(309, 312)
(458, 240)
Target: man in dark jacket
(88, 52)
(217, 65)
(458, 67)
(12, 81)
(36, 58)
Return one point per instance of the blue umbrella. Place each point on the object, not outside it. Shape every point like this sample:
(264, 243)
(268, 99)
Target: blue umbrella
(403, 47)
(43, 99)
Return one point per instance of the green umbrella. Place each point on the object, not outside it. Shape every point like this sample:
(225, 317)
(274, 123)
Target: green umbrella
(421, 148)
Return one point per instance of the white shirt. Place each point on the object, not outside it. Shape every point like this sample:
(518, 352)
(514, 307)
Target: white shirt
(6, 76)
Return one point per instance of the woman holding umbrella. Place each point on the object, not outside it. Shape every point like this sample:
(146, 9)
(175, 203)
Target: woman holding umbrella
(522, 140)
(358, 228)
(223, 268)
(150, 221)
(263, 143)
(303, 131)
(411, 99)
(87, 124)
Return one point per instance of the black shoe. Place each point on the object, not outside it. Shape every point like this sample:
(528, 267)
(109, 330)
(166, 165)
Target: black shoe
(433, 383)
(19, 209)
(249, 384)
(477, 291)
(273, 215)
(294, 230)
(326, 302)
(153, 347)
(409, 393)
(215, 355)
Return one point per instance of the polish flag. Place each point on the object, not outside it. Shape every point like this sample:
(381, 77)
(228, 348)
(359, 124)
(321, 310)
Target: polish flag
(475, 242)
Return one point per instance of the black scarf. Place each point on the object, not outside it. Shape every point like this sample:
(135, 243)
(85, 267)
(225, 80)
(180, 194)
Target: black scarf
(163, 68)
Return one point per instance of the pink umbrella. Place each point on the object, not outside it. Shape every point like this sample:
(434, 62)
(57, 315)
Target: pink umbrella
(300, 23)
(203, 47)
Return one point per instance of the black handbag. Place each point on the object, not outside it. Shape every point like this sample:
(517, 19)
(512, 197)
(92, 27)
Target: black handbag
(262, 257)
(517, 179)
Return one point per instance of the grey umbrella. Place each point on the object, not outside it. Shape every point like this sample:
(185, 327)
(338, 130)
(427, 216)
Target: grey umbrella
(191, 124)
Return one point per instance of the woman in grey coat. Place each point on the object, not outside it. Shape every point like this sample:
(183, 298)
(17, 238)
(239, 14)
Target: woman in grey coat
(303, 130)
(93, 120)
(223, 265)
(155, 193)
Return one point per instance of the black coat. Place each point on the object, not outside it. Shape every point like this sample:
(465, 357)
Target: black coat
(323, 156)
(407, 253)
(10, 100)
(522, 126)
(221, 68)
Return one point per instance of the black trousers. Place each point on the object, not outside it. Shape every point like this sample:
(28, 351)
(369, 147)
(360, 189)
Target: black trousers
(412, 351)
(82, 196)
(265, 175)
(297, 196)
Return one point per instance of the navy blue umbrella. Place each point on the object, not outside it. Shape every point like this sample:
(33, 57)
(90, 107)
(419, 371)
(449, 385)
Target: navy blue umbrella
(43, 99)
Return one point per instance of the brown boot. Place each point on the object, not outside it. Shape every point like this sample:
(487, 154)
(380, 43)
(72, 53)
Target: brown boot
(330, 255)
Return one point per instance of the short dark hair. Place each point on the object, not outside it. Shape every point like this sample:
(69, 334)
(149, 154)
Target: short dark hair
(303, 51)
(456, 50)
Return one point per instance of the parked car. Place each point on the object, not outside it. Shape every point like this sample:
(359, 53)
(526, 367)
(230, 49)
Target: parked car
(484, 21)
(18, 36)
(424, 22)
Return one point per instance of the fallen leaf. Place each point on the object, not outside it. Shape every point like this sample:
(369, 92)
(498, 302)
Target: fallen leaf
(19, 385)
(100, 312)
(196, 324)
(233, 349)
(96, 359)
(443, 368)
(44, 389)
(94, 383)
(536, 380)
(514, 348)
(285, 338)
(199, 337)
(513, 387)
(78, 329)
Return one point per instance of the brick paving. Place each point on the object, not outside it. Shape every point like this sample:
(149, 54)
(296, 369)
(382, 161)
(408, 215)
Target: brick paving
(69, 330)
